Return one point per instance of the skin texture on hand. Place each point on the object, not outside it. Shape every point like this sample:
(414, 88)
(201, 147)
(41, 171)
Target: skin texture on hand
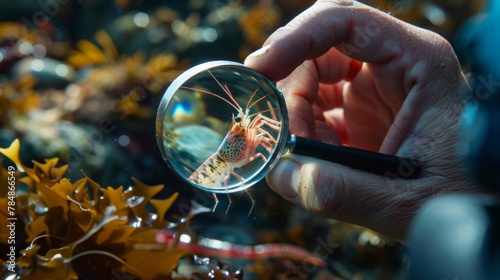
(354, 75)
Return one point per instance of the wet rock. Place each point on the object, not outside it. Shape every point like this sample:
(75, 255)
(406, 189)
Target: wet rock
(47, 71)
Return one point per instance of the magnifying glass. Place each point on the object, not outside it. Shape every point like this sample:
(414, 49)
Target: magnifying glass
(222, 127)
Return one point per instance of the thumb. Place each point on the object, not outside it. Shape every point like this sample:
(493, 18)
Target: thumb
(342, 193)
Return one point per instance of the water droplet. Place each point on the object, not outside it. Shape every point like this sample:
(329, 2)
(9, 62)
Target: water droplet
(137, 223)
(134, 201)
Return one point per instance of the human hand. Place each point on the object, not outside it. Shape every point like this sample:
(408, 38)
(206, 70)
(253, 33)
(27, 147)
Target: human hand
(353, 74)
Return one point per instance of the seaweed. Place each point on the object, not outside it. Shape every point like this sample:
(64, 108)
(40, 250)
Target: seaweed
(80, 230)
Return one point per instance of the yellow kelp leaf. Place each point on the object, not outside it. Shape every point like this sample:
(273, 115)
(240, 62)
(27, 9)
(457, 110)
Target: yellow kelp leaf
(152, 264)
(259, 21)
(30, 181)
(29, 209)
(79, 60)
(95, 188)
(64, 188)
(161, 206)
(128, 106)
(93, 220)
(134, 62)
(107, 44)
(17, 30)
(114, 232)
(161, 63)
(80, 191)
(92, 52)
(143, 190)
(57, 264)
(84, 218)
(12, 152)
(27, 256)
(51, 199)
(58, 172)
(113, 197)
(146, 192)
(36, 228)
(58, 270)
(143, 235)
(50, 170)
(82, 210)
(45, 167)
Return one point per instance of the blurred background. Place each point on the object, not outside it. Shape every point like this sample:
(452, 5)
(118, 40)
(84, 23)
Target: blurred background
(81, 80)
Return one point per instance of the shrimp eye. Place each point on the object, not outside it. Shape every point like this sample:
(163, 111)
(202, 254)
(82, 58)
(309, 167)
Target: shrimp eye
(237, 119)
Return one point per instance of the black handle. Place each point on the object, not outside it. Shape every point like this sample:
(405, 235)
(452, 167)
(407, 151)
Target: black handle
(382, 164)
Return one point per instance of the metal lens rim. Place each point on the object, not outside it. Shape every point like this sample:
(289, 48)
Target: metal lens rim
(279, 149)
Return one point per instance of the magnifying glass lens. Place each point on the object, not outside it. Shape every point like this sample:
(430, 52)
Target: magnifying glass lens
(222, 126)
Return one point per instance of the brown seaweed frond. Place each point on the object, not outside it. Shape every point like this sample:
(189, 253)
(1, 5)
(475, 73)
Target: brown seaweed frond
(17, 98)
(72, 225)
(89, 54)
(12, 31)
(260, 21)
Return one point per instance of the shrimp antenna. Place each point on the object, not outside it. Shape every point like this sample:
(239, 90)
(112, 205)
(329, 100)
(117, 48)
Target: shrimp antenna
(271, 110)
(251, 97)
(225, 89)
(263, 111)
(213, 94)
(258, 100)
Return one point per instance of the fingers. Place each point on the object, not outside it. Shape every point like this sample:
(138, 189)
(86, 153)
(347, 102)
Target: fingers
(299, 97)
(346, 194)
(307, 99)
(359, 31)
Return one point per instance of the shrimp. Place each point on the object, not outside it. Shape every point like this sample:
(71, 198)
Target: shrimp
(223, 249)
(246, 133)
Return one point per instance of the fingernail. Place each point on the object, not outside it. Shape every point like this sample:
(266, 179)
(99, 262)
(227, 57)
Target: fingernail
(285, 178)
(257, 54)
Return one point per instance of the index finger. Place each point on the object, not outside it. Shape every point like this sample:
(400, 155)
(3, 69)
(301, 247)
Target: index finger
(357, 30)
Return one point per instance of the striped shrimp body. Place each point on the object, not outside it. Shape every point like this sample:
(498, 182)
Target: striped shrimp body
(246, 133)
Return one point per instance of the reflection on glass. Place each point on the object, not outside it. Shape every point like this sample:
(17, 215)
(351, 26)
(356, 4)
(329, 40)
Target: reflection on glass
(222, 126)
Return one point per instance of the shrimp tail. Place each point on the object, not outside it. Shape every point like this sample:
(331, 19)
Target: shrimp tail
(210, 173)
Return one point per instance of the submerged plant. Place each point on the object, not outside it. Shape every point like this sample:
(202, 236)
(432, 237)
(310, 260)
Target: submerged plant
(17, 98)
(78, 230)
